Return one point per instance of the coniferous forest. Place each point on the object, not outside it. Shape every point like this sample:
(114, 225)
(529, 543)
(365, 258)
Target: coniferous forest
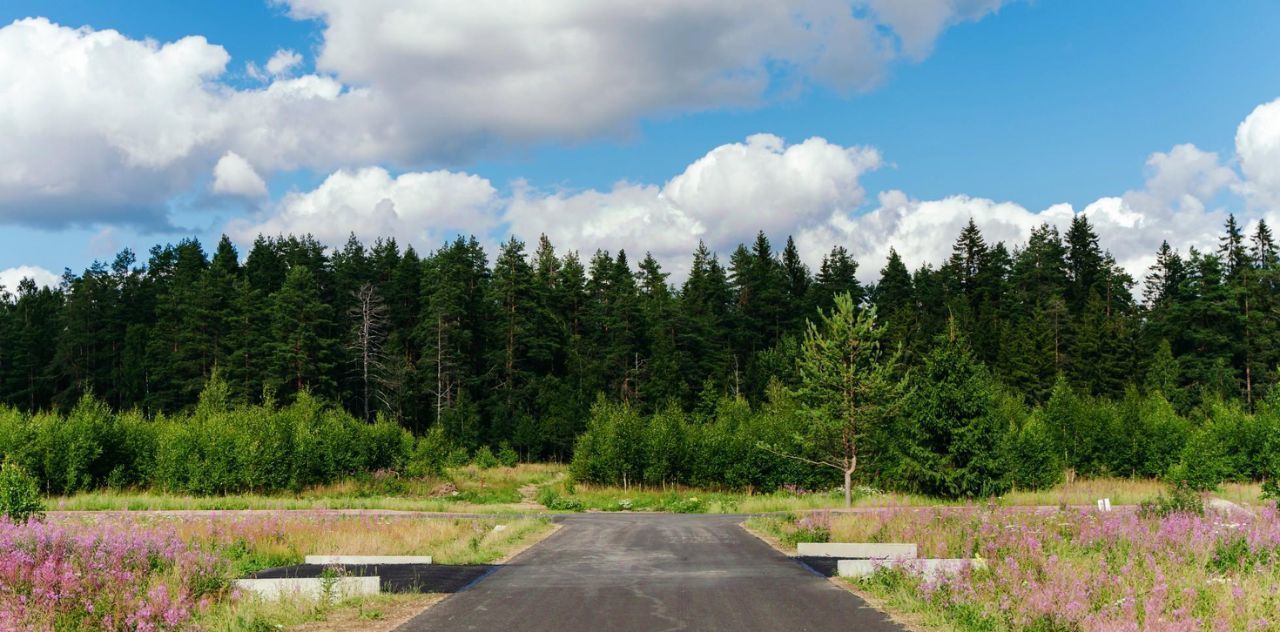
(1010, 363)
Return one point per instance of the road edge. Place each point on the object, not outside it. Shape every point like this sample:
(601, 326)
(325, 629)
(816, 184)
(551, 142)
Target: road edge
(907, 621)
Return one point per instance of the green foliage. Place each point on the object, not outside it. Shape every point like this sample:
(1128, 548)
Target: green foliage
(217, 449)
(693, 379)
(484, 458)
(1181, 499)
(19, 494)
(958, 439)
(846, 388)
(507, 457)
(1034, 461)
(430, 454)
(551, 499)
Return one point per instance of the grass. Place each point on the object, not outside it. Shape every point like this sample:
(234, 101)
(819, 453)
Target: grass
(1071, 569)
(532, 487)
(466, 489)
(1121, 491)
(242, 544)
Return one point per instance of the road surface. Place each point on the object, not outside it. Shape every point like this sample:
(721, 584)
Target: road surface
(652, 572)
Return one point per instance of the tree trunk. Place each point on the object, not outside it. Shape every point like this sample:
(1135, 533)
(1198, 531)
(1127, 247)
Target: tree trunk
(848, 489)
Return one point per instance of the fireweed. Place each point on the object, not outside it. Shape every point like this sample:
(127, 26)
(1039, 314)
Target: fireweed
(102, 578)
(1084, 570)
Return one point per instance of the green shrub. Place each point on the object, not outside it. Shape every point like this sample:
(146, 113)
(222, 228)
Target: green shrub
(457, 457)
(430, 454)
(1181, 499)
(687, 505)
(19, 494)
(484, 458)
(551, 499)
(507, 456)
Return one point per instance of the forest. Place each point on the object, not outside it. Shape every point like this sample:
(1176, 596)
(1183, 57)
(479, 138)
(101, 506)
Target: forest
(1010, 364)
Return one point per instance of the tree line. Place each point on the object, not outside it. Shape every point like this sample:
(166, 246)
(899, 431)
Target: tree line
(517, 350)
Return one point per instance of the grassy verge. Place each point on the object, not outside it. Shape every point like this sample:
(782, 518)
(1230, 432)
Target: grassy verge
(468, 489)
(567, 496)
(176, 570)
(1065, 570)
(543, 487)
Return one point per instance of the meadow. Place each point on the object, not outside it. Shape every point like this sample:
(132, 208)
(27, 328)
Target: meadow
(1067, 569)
(162, 572)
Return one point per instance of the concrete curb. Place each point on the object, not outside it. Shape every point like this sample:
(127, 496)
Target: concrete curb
(928, 568)
(366, 560)
(310, 587)
(857, 550)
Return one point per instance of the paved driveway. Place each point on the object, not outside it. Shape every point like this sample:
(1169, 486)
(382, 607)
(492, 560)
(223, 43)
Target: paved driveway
(652, 572)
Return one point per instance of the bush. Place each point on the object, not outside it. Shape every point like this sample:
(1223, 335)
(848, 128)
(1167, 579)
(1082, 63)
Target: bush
(687, 505)
(1034, 463)
(430, 454)
(217, 449)
(551, 499)
(19, 495)
(484, 458)
(506, 456)
(1182, 499)
(1205, 462)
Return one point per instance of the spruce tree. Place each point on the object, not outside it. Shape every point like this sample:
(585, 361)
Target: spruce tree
(957, 447)
(302, 356)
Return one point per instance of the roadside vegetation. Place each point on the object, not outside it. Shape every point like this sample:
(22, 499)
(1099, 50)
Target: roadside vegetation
(1172, 565)
(127, 572)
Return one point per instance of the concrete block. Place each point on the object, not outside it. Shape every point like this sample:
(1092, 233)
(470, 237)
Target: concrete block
(928, 568)
(857, 550)
(310, 587)
(367, 560)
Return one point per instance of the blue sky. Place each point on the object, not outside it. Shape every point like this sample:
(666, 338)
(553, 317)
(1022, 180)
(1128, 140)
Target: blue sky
(1034, 104)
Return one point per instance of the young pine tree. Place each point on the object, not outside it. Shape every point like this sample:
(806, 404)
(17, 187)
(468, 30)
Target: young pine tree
(846, 388)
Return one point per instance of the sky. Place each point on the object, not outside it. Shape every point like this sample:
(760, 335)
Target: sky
(647, 126)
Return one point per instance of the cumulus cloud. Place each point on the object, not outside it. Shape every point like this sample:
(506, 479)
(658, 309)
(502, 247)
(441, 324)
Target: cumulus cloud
(809, 190)
(234, 175)
(918, 23)
(1258, 146)
(11, 277)
(416, 207)
(80, 143)
(98, 127)
(571, 68)
(281, 64)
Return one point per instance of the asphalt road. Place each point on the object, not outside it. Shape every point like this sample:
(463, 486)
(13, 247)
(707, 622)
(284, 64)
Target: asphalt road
(651, 572)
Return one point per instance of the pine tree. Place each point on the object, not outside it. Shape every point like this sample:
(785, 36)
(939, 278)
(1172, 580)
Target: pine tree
(704, 348)
(895, 301)
(837, 275)
(658, 313)
(302, 356)
(846, 388)
(513, 294)
(798, 284)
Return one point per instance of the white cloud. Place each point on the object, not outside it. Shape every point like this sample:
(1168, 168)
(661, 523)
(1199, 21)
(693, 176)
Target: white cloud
(101, 128)
(98, 127)
(10, 277)
(809, 190)
(918, 23)
(723, 198)
(279, 66)
(282, 62)
(415, 207)
(1258, 146)
(509, 70)
(234, 175)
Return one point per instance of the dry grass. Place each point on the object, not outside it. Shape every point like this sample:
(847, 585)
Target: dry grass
(467, 489)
